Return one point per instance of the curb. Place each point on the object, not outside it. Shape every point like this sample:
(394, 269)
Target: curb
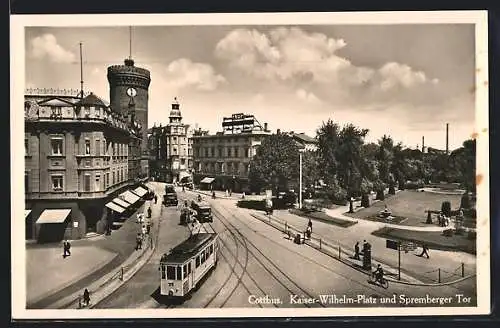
(414, 282)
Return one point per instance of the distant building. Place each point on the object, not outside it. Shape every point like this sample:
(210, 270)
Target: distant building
(171, 153)
(77, 159)
(221, 161)
(304, 141)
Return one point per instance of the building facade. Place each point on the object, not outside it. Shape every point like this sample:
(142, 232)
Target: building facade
(129, 96)
(221, 161)
(76, 159)
(171, 149)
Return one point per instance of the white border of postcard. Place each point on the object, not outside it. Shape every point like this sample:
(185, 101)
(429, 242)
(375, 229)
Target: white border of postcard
(17, 69)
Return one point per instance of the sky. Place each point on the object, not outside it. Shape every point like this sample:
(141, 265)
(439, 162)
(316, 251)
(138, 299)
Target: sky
(406, 81)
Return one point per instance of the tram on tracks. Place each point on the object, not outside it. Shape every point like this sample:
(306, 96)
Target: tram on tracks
(182, 269)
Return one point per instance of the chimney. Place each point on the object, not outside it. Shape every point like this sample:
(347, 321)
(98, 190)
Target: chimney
(265, 126)
(423, 144)
(278, 131)
(447, 133)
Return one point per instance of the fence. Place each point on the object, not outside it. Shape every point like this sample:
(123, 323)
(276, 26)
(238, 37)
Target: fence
(345, 254)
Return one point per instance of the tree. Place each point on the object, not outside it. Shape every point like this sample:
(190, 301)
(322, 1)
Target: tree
(276, 163)
(463, 162)
(328, 142)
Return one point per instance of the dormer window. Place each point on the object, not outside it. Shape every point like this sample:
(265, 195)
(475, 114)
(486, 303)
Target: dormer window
(87, 110)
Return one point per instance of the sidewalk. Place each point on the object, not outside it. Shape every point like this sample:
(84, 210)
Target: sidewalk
(222, 194)
(421, 269)
(90, 260)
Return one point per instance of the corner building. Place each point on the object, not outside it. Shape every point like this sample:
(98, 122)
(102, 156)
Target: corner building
(121, 78)
(76, 161)
(221, 161)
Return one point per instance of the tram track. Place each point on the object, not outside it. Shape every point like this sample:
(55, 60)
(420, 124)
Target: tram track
(275, 277)
(375, 290)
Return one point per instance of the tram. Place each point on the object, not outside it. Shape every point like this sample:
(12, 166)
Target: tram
(186, 264)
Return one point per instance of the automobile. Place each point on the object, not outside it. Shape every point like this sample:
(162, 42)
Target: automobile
(202, 211)
(170, 197)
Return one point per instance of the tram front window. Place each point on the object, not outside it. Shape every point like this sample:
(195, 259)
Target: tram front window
(162, 272)
(179, 272)
(170, 272)
(184, 270)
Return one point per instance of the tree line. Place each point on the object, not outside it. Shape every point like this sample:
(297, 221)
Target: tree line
(348, 166)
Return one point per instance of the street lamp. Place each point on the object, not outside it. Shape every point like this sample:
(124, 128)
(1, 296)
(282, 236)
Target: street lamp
(300, 177)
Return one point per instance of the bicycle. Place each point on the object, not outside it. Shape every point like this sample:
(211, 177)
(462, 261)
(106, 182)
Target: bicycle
(379, 281)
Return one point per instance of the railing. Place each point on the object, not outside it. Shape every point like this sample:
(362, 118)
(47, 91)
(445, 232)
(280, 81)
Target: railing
(341, 252)
(54, 92)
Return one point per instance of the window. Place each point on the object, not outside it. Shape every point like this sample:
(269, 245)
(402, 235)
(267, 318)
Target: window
(97, 181)
(107, 179)
(98, 147)
(57, 111)
(235, 152)
(183, 161)
(57, 182)
(175, 150)
(170, 272)
(229, 152)
(162, 272)
(211, 248)
(26, 147)
(87, 147)
(87, 111)
(86, 182)
(179, 272)
(203, 257)
(114, 149)
(197, 262)
(206, 152)
(185, 270)
(56, 145)
(189, 268)
(247, 152)
(26, 182)
(175, 139)
(113, 181)
(98, 111)
(213, 151)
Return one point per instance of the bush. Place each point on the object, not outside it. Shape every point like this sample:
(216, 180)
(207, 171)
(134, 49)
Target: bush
(252, 204)
(465, 201)
(365, 201)
(470, 213)
(448, 232)
(471, 235)
(446, 208)
(380, 194)
(392, 191)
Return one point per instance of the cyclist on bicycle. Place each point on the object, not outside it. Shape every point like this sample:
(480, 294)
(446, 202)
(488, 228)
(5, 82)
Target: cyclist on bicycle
(379, 274)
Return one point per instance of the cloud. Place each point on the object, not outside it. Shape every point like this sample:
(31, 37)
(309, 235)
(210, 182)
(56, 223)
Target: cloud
(308, 97)
(300, 58)
(96, 71)
(183, 73)
(47, 46)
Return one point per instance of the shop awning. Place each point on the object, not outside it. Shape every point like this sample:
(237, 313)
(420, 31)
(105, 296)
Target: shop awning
(53, 216)
(121, 202)
(207, 180)
(184, 175)
(140, 191)
(130, 197)
(115, 207)
(26, 213)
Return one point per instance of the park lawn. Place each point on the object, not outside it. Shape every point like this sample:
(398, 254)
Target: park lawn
(433, 239)
(321, 216)
(410, 204)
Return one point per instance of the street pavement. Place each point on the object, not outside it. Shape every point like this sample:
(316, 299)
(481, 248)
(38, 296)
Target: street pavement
(51, 278)
(259, 267)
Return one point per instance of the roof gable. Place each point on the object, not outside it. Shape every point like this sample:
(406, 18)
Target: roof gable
(55, 102)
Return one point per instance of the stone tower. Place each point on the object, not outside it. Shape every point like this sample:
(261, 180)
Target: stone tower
(121, 78)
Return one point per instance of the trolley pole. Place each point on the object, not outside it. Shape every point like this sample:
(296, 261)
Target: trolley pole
(399, 260)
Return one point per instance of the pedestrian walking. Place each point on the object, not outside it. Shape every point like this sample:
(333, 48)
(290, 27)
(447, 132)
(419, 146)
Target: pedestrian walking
(86, 297)
(64, 249)
(308, 232)
(68, 248)
(356, 251)
(425, 250)
(365, 245)
(156, 199)
(310, 225)
(138, 240)
(149, 212)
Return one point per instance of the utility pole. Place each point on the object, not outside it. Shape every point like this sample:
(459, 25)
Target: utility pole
(81, 72)
(130, 42)
(300, 179)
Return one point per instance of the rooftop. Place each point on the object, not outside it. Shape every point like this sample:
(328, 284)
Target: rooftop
(187, 248)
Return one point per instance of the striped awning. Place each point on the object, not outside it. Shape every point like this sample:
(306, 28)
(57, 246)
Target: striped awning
(26, 213)
(129, 197)
(121, 202)
(140, 191)
(54, 216)
(115, 207)
(207, 180)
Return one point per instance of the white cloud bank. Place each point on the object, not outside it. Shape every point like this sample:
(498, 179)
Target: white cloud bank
(46, 46)
(183, 73)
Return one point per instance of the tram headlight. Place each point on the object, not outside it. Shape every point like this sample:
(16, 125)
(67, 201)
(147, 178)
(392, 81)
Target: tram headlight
(171, 292)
